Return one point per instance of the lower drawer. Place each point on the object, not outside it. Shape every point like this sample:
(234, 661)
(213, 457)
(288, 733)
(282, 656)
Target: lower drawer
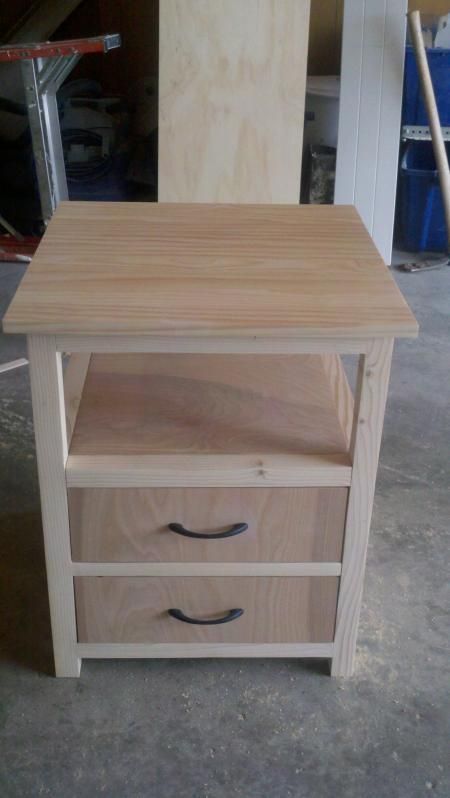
(275, 609)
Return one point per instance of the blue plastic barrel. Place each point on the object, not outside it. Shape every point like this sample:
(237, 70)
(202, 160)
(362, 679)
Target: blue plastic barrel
(421, 208)
(414, 112)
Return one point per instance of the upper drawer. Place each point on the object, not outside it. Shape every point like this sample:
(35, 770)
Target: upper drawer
(132, 524)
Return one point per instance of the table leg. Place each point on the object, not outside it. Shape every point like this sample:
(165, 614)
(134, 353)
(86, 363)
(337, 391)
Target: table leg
(51, 446)
(370, 401)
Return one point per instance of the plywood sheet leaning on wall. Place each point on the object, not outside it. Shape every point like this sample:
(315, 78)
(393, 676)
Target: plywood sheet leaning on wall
(231, 99)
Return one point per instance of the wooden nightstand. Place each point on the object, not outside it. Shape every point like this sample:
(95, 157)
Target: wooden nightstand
(206, 479)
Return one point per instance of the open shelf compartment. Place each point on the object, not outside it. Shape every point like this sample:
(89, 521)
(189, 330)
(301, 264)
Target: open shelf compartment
(169, 419)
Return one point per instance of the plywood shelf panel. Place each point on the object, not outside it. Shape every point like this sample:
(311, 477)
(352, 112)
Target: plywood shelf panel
(147, 404)
(210, 420)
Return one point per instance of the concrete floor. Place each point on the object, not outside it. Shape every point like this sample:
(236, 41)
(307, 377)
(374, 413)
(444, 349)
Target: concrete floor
(256, 729)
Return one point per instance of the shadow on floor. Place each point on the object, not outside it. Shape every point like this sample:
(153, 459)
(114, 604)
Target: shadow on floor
(25, 632)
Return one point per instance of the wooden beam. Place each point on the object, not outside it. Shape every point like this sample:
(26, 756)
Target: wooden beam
(39, 21)
(51, 446)
(373, 380)
(207, 471)
(201, 650)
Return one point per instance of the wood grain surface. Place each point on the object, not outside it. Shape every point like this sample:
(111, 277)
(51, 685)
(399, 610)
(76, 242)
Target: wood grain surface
(217, 345)
(207, 404)
(206, 569)
(370, 401)
(208, 270)
(74, 376)
(276, 610)
(208, 470)
(231, 100)
(131, 525)
(204, 650)
(46, 379)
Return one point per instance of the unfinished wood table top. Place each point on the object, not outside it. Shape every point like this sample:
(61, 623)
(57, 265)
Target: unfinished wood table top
(287, 271)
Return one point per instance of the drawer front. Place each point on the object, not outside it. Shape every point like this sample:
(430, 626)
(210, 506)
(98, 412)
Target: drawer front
(276, 609)
(132, 524)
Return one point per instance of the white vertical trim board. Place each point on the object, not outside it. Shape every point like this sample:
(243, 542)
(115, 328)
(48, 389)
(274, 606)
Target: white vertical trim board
(370, 113)
(351, 75)
(370, 109)
(389, 125)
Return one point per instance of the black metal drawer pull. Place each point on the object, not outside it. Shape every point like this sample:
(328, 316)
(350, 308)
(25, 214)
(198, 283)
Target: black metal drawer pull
(236, 529)
(230, 616)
